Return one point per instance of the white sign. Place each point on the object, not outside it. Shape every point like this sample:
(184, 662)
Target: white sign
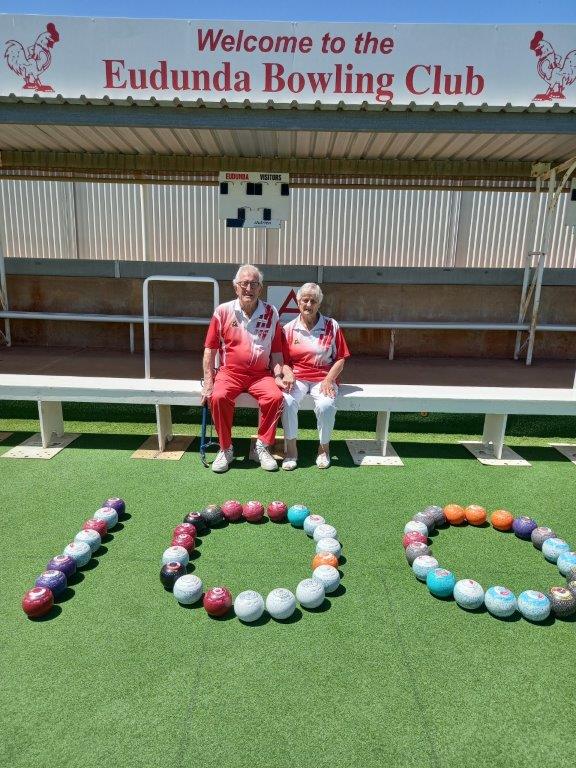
(253, 199)
(288, 61)
(283, 297)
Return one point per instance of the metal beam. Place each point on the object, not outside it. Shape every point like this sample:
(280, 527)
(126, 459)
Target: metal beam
(397, 119)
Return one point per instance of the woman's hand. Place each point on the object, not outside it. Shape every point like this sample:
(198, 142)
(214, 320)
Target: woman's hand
(327, 388)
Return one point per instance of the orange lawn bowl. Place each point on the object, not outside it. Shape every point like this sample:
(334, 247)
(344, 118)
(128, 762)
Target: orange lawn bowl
(324, 558)
(475, 514)
(454, 513)
(502, 520)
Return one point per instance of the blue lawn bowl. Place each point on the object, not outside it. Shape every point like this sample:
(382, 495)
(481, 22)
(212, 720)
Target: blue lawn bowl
(523, 527)
(500, 601)
(53, 580)
(553, 548)
(441, 582)
(297, 513)
(566, 561)
(533, 605)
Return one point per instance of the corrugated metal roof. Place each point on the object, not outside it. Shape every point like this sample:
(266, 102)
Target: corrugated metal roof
(342, 139)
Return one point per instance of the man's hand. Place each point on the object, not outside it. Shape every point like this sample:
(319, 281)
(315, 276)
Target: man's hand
(206, 392)
(327, 388)
(281, 382)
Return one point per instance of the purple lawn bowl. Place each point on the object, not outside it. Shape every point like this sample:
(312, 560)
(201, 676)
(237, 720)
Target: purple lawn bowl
(52, 580)
(62, 563)
(523, 527)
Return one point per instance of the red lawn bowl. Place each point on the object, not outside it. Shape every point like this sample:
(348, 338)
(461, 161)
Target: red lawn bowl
(277, 511)
(232, 510)
(412, 537)
(188, 528)
(99, 526)
(184, 540)
(253, 511)
(217, 601)
(37, 602)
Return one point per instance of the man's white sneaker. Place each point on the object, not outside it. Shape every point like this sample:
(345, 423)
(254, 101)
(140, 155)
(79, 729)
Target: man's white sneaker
(223, 460)
(267, 461)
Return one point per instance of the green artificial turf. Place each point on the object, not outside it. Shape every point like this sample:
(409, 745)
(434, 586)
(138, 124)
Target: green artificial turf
(383, 675)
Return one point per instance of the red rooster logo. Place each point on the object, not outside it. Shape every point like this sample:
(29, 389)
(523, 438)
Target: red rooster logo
(556, 72)
(31, 62)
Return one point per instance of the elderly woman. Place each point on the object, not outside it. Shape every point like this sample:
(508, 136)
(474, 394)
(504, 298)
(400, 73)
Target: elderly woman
(315, 348)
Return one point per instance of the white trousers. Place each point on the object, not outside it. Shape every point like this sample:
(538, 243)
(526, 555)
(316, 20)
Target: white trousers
(324, 408)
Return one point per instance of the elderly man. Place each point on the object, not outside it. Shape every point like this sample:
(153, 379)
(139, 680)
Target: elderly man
(247, 334)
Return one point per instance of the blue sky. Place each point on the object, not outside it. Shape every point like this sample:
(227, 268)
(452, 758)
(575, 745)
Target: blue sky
(439, 11)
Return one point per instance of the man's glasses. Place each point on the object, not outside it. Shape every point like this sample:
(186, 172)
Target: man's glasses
(249, 283)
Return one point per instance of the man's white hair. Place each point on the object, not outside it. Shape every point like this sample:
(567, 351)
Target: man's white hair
(310, 288)
(246, 268)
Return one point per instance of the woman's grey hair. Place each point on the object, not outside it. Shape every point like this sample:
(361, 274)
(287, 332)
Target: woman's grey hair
(244, 268)
(310, 288)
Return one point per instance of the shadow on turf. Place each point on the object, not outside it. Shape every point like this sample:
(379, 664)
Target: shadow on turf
(54, 612)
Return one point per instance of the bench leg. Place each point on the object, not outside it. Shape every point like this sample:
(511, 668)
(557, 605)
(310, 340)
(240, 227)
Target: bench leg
(164, 426)
(382, 424)
(494, 432)
(51, 421)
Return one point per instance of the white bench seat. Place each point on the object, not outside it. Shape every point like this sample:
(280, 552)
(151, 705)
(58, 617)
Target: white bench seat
(496, 403)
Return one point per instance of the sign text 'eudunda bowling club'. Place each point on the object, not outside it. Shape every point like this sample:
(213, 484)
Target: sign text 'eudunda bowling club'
(286, 61)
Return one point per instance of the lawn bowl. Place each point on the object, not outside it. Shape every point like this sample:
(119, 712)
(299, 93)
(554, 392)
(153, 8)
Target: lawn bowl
(415, 550)
(280, 604)
(324, 531)
(37, 602)
(249, 606)
(100, 526)
(253, 511)
(468, 594)
(523, 527)
(53, 580)
(533, 605)
(109, 515)
(277, 512)
(116, 503)
(329, 545)
(188, 589)
(90, 537)
(500, 602)
(329, 576)
(563, 602)
(310, 593)
(176, 554)
(232, 510)
(80, 552)
(566, 561)
(422, 566)
(217, 601)
(540, 534)
(441, 582)
(311, 523)
(170, 572)
(553, 548)
(63, 563)
(296, 514)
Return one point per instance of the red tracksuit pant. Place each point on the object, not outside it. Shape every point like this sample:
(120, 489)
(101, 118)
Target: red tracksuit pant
(261, 385)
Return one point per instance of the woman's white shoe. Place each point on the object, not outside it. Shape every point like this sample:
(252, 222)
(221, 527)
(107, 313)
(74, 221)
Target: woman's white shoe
(289, 464)
(322, 461)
